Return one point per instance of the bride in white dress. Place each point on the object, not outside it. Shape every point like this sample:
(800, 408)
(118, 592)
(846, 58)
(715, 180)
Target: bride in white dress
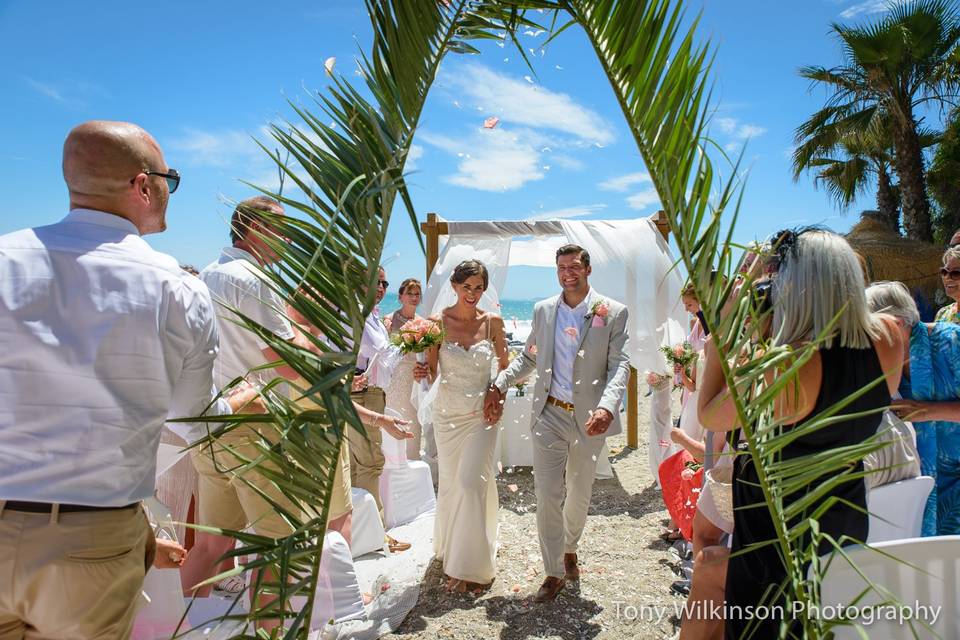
(473, 351)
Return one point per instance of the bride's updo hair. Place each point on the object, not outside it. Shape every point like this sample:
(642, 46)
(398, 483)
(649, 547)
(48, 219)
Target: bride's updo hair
(468, 269)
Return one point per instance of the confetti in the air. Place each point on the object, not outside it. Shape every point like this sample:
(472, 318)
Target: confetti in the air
(513, 488)
(571, 331)
(491, 122)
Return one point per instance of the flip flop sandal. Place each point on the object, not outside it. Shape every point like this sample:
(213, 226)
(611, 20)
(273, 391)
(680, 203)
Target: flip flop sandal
(233, 584)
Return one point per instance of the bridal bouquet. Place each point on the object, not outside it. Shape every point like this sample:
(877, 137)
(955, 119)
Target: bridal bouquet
(658, 381)
(416, 336)
(680, 354)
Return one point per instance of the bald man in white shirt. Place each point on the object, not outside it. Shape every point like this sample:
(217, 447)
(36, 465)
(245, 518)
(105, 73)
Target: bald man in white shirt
(103, 339)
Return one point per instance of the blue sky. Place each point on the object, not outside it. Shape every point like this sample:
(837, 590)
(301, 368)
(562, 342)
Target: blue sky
(204, 77)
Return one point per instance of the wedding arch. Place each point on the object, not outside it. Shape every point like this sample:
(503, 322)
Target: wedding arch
(631, 262)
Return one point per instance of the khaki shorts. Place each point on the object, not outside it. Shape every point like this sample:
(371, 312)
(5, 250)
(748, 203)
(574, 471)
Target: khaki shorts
(226, 500)
(78, 576)
(341, 502)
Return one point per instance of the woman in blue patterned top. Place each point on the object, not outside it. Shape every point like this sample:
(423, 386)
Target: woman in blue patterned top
(931, 400)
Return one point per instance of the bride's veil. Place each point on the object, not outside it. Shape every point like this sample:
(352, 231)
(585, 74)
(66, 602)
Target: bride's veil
(494, 253)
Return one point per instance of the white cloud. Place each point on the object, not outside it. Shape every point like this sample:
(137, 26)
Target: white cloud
(47, 90)
(727, 125)
(73, 93)
(865, 8)
(414, 154)
(624, 182)
(643, 199)
(577, 211)
(567, 162)
(518, 102)
(224, 148)
(491, 160)
(739, 130)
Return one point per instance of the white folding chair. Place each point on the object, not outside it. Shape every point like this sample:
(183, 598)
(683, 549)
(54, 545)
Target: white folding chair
(367, 531)
(896, 509)
(921, 573)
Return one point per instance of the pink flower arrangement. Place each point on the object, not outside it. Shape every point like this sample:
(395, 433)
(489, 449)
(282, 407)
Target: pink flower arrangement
(600, 311)
(418, 335)
(682, 354)
(657, 380)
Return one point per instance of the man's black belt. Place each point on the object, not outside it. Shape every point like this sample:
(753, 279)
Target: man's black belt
(46, 507)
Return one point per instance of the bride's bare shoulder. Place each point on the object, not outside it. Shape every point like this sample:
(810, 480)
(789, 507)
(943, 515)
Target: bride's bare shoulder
(495, 320)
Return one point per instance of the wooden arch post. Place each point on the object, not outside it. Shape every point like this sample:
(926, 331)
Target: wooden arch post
(433, 228)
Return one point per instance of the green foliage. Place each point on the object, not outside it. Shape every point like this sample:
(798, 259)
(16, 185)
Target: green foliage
(891, 67)
(943, 179)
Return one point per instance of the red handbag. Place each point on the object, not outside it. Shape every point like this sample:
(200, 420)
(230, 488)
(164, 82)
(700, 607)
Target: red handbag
(681, 489)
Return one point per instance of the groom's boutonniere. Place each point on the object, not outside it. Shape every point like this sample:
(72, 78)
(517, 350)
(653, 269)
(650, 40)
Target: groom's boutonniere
(600, 311)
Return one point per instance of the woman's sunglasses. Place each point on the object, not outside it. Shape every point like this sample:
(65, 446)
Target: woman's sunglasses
(950, 274)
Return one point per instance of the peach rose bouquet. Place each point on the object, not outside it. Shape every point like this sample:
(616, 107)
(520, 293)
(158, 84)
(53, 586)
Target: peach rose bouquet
(417, 336)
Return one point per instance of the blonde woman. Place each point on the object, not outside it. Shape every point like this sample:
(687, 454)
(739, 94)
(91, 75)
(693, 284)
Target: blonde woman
(817, 283)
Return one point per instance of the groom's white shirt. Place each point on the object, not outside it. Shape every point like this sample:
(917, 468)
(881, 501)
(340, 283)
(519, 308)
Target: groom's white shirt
(600, 365)
(566, 341)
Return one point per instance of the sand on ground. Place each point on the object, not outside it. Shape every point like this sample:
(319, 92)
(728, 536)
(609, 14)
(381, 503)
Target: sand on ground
(626, 571)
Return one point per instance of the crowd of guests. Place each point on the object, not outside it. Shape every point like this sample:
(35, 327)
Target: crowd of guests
(106, 340)
(870, 332)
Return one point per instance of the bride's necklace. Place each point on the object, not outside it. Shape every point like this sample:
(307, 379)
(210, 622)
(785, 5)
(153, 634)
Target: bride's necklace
(403, 317)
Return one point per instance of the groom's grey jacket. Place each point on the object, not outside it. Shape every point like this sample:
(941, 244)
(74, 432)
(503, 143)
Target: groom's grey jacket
(600, 372)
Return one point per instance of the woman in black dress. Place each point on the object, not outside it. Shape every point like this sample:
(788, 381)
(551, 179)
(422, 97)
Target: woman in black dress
(816, 277)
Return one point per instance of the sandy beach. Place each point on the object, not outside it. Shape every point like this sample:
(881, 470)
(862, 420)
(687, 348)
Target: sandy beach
(623, 563)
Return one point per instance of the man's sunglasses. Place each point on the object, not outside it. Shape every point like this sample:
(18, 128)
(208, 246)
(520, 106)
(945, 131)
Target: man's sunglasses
(384, 284)
(950, 274)
(172, 177)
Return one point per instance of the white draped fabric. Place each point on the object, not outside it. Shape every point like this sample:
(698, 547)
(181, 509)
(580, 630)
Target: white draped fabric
(494, 253)
(631, 263)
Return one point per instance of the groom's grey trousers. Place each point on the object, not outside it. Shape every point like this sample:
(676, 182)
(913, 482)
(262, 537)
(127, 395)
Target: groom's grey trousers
(564, 464)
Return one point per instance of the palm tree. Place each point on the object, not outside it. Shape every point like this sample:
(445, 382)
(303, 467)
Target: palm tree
(907, 59)
(846, 164)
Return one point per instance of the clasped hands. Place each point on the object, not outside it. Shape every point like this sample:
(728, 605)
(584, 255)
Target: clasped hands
(421, 371)
(598, 423)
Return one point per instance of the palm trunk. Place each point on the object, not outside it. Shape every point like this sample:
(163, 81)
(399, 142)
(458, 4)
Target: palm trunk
(887, 200)
(908, 161)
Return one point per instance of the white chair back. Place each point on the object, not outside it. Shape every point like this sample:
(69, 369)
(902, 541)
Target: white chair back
(923, 574)
(896, 509)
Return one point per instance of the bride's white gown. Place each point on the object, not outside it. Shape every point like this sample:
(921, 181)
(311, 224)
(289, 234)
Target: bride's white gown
(465, 535)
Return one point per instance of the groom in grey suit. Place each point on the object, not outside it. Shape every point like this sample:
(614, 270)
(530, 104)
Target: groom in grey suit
(578, 346)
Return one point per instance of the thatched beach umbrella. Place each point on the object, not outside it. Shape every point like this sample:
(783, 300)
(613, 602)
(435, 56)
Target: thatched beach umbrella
(890, 256)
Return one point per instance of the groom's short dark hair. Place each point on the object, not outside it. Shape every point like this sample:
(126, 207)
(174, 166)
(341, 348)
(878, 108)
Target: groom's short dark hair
(569, 249)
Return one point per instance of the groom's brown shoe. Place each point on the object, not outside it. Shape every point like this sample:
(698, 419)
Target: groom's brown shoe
(570, 568)
(396, 546)
(549, 589)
